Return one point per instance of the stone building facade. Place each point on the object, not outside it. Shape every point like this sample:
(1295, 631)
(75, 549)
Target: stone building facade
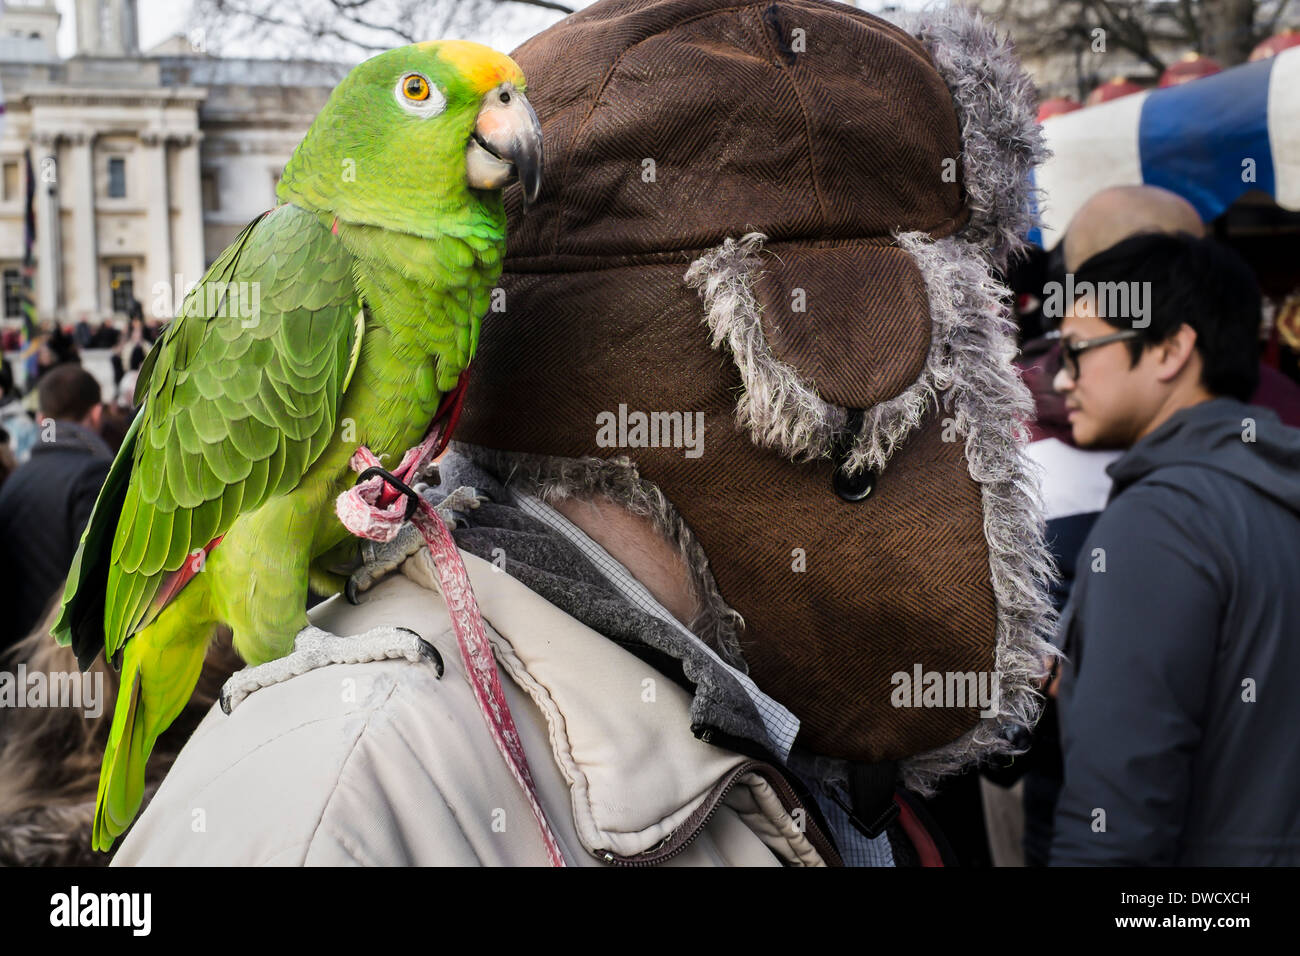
(146, 164)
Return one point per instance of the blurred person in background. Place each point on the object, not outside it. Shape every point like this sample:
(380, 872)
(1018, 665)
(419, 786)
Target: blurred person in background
(8, 461)
(114, 423)
(45, 504)
(1074, 480)
(20, 430)
(106, 336)
(82, 333)
(54, 349)
(132, 350)
(1175, 701)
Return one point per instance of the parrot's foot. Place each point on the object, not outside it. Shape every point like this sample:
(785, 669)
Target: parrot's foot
(380, 559)
(314, 648)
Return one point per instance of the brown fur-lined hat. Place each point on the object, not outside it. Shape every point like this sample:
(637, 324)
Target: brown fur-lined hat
(783, 218)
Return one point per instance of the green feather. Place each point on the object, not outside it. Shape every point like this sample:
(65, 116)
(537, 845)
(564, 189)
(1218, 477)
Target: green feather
(369, 290)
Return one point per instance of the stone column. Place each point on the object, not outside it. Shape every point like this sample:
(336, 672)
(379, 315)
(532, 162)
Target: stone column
(158, 266)
(189, 197)
(81, 183)
(48, 261)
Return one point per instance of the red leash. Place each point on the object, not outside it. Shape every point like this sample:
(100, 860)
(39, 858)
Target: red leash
(376, 508)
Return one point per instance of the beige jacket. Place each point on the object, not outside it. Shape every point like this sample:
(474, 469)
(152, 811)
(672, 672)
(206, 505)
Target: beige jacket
(384, 763)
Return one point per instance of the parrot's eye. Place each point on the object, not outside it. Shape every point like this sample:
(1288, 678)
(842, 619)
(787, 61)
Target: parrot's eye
(416, 87)
(417, 95)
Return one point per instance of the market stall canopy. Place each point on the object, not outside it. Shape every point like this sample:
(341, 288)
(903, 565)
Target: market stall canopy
(1113, 90)
(1056, 107)
(1209, 141)
(1276, 44)
(1193, 66)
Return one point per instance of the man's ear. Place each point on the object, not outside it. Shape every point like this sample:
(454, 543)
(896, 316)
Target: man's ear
(1176, 353)
(95, 417)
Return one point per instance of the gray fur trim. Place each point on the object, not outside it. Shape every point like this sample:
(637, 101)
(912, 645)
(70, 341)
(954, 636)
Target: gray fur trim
(997, 108)
(777, 407)
(989, 404)
(554, 479)
(887, 425)
(969, 373)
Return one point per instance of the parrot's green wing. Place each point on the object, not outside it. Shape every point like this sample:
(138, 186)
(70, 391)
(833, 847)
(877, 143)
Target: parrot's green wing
(240, 397)
(81, 617)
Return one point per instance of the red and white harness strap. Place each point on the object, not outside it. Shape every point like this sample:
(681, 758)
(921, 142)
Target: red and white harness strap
(376, 510)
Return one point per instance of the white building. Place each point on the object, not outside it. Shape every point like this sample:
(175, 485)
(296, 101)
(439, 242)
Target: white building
(146, 164)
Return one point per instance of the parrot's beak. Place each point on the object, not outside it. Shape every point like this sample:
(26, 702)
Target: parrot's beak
(506, 144)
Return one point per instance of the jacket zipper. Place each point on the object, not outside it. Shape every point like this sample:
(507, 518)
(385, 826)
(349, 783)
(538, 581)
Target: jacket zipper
(678, 841)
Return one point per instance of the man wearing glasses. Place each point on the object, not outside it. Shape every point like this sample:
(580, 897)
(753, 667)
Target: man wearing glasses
(1177, 701)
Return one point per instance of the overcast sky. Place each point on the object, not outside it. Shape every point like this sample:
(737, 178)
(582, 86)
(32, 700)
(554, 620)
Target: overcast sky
(159, 19)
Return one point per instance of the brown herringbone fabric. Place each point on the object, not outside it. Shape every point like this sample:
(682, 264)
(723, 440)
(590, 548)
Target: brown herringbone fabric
(827, 144)
(846, 139)
(855, 326)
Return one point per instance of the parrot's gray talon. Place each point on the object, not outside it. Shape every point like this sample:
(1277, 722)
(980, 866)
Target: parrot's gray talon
(431, 653)
(350, 591)
(313, 648)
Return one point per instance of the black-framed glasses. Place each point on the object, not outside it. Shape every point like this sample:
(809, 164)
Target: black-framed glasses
(1071, 349)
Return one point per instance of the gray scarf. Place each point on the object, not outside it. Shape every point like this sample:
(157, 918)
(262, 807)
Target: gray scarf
(727, 708)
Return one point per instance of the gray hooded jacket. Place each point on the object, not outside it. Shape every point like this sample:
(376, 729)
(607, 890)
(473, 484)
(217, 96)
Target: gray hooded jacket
(1178, 703)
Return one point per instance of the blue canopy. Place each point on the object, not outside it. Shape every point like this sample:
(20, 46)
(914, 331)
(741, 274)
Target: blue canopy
(1209, 140)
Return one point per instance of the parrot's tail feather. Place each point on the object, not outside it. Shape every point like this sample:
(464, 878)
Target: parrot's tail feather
(114, 805)
(81, 618)
(158, 677)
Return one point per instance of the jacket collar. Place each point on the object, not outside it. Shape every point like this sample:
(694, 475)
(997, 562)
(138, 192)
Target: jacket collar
(70, 436)
(642, 784)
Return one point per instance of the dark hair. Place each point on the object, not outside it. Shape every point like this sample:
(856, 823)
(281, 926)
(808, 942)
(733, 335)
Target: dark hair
(1194, 281)
(67, 392)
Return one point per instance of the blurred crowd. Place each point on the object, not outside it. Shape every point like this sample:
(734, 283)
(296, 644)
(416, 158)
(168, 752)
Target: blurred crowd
(58, 436)
(1184, 595)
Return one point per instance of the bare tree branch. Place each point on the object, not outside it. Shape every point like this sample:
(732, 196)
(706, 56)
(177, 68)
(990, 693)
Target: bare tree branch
(545, 4)
(344, 10)
(1128, 32)
(1059, 35)
(354, 28)
(1275, 19)
(1187, 17)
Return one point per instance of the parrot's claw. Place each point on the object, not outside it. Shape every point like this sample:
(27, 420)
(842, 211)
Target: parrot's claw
(314, 648)
(380, 559)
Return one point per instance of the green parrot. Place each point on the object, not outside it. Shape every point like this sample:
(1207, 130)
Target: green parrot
(340, 318)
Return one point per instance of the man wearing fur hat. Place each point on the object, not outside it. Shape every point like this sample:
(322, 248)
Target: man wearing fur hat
(754, 540)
